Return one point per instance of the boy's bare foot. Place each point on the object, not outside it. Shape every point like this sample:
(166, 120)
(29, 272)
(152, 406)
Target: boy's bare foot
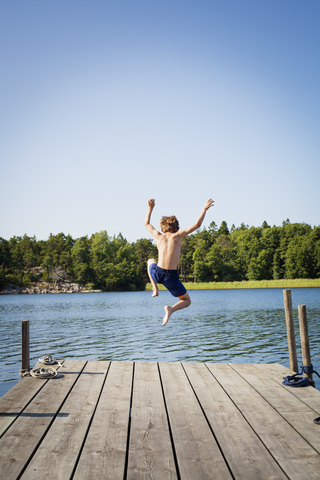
(167, 309)
(155, 293)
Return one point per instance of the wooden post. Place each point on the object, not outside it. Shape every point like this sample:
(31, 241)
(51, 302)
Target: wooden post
(25, 355)
(306, 357)
(290, 330)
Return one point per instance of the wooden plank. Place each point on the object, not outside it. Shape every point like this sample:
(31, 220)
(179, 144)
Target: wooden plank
(197, 452)
(308, 395)
(18, 444)
(150, 448)
(15, 400)
(104, 452)
(245, 454)
(291, 408)
(294, 455)
(18, 397)
(58, 452)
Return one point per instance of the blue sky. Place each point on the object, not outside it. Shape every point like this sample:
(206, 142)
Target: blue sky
(106, 104)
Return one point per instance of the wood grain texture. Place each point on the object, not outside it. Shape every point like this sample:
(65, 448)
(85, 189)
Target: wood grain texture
(58, 452)
(291, 408)
(290, 330)
(304, 336)
(104, 452)
(198, 454)
(150, 448)
(20, 441)
(210, 421)
(244, 452)
(15, 400)
(308, 395)
(25, 347)
(294, 455)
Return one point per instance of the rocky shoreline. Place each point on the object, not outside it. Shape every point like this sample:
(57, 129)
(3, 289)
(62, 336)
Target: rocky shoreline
(45, 287)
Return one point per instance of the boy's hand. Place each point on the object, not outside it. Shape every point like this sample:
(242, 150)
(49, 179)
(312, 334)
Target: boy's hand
(151, 203)
(209, 203)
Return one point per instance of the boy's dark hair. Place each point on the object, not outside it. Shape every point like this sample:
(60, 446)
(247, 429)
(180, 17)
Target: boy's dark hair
(169, 224)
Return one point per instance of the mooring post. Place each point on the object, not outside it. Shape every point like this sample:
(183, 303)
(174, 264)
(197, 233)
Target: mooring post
(306, 357)
(290, 330)
(25, 352)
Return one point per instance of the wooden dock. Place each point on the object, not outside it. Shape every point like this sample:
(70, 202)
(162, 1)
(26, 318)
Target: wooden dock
(136, 420)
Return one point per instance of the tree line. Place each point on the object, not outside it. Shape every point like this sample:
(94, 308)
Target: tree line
(209, 255)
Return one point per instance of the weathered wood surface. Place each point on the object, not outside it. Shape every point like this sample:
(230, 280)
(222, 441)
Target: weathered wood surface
(290, 330)
(25, 345)
(197, 451)
(294, 455)
(304, 335)
(295, 412)
(150, 449)
(143, 420)
(62, 445)
(21, 440)
(104, 452)
(14, 401)
(246, 455)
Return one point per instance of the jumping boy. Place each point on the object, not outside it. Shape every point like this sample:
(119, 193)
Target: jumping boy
(169, 248)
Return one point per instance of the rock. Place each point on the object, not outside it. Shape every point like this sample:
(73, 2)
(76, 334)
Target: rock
(44, 287)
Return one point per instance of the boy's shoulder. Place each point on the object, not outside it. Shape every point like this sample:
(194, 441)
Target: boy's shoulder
(175, 236)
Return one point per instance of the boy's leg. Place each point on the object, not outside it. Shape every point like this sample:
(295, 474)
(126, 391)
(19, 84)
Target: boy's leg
(153, 283)
(184, 302)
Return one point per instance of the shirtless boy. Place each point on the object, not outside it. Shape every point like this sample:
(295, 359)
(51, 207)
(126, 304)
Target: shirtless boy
(169, 248)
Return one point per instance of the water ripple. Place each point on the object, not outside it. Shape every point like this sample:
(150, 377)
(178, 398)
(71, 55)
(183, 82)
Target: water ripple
(220, 326)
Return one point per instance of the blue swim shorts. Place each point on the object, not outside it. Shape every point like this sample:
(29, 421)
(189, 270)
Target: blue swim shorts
(168, 278)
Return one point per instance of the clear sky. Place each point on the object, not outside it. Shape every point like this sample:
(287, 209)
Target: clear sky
(104, 104)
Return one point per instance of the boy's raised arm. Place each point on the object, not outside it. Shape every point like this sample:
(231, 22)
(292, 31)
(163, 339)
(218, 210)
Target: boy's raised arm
(198, 223)
(151, 229)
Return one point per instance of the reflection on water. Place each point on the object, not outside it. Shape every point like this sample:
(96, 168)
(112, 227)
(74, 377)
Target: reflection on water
(243, 326)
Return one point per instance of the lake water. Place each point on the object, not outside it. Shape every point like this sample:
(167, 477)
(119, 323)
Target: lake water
(239, 326)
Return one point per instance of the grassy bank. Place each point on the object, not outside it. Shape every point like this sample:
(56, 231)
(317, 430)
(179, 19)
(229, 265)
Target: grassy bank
(294, 283)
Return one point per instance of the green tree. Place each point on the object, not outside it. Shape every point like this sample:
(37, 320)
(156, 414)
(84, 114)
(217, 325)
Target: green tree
(214, 262)
(56, 253)
(123, 276)
(4, 253)
(277, 266)
(223, 230)
(101, 254)
(221, 260)
(3, 280)
(259, 267)
(143, 250)
(299, 256)
(186, 264)
(81, 260)
(201, 271)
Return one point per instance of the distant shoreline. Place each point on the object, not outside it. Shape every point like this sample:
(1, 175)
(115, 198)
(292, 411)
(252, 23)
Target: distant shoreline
(294, 283)
(46, 288)
(41, 288)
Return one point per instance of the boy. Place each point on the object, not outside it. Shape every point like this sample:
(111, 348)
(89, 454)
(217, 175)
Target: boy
(169, 248)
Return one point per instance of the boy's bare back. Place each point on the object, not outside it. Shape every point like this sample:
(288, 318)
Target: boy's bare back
(168, 243)
(169, 249)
